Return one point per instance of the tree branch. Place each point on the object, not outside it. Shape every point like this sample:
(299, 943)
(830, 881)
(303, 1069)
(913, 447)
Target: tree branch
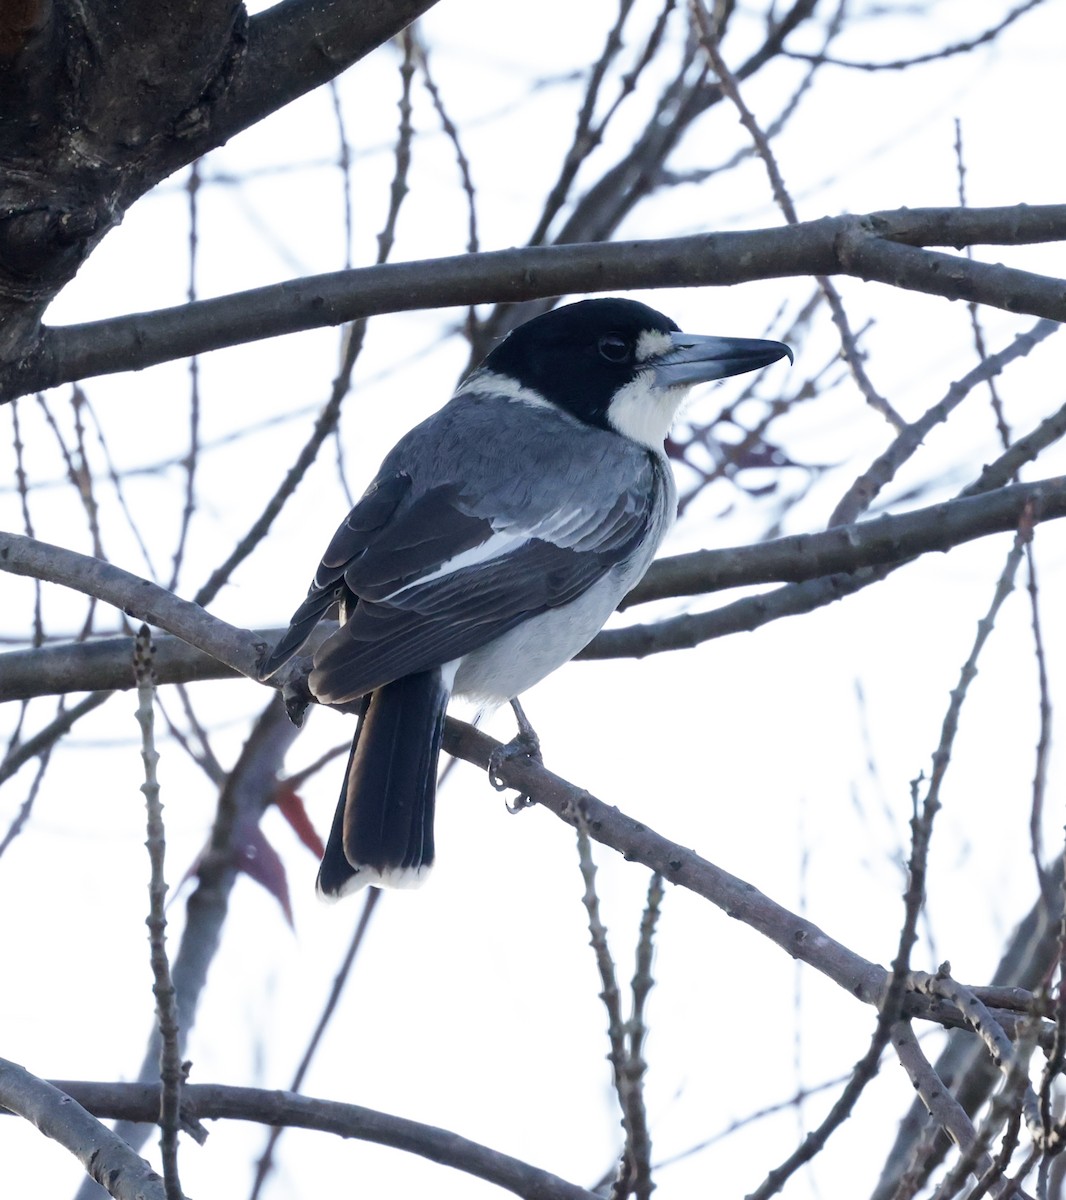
(238, 649)
(879, 246)
(883, 540)
(636, 842)
(211, 649)
(140, 1102)
(294, 47)
(104, 1156)
(247, 792)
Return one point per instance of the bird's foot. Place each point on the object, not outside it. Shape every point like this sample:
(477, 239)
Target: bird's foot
(525, 744)
(296, 694)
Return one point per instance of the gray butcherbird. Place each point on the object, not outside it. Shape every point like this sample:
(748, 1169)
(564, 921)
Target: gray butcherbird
(497, 538)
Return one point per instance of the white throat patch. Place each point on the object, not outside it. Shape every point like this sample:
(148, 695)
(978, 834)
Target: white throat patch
(643, 412)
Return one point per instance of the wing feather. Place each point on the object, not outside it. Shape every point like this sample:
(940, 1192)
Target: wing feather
(435, 622)
(451, 547)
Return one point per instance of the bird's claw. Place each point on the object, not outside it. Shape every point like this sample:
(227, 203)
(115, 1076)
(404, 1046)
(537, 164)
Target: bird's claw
(296, 694)
(525, 744)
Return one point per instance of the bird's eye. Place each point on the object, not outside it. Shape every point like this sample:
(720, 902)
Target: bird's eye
(615, 348)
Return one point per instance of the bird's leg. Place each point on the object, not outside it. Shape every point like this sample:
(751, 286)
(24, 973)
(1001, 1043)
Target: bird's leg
(295, 693)
(524, 744)
(525, 741)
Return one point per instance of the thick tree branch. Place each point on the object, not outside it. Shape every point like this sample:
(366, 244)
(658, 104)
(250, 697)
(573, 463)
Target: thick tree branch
(140, 1102)
(140, 598)
(882, 540)
(798, 937)
(294, 47)
(104, 1156)
(208, 648)
(20, 22)
(100, 101)
(879, 246)
(70, 666)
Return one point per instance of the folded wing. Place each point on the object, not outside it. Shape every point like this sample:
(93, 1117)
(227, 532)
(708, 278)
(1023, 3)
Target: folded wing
(422, 577)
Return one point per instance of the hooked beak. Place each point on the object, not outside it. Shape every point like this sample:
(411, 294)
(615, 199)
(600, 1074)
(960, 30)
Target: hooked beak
(699, 359)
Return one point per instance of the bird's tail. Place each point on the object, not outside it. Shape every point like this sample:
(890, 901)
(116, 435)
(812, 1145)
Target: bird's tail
(383, 829)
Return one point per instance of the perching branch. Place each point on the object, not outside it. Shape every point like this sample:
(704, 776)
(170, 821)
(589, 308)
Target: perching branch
(212, 649)
(799, 938)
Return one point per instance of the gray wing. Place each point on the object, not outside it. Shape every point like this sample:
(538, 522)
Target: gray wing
(457, 547)
(366, 520)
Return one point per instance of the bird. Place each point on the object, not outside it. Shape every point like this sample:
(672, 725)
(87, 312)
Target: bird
(492, 545)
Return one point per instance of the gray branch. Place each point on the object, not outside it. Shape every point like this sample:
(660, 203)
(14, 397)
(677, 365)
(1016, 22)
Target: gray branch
(140, 1102)
(879, 246)
(105, 1157)
(204, 647)
(238, 649)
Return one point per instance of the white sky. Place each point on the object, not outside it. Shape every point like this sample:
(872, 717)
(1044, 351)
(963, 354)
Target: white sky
(473, 1005)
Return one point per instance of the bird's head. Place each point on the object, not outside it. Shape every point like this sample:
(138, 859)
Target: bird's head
(618, 364)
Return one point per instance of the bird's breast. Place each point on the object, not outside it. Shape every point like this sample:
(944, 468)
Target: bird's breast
(514, 662)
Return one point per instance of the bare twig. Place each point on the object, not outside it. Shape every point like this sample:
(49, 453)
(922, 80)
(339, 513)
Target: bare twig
(266, 1161)
(1055, 1131)
(42, 741)
(627, 1063)
(25, 809)
(588, 136)
(354, 338)
(324, 426)
(793, 1101)
(248, 790)
(21, 483)
(1001, 1049)
(848, 342)
(890, 1009)
(938, 1100)
(1043, 742)
(192, 455)
(116, 482)
(973, 309)
(1025, 449)
(1026, 963)
(78, 477)
(865, 489)
(942, 755)
(451, 132)
(1015, 1099)
(171, 1073)
(949, 51)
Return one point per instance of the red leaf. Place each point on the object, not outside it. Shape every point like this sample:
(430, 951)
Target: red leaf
(292, 809)
(259, 860)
